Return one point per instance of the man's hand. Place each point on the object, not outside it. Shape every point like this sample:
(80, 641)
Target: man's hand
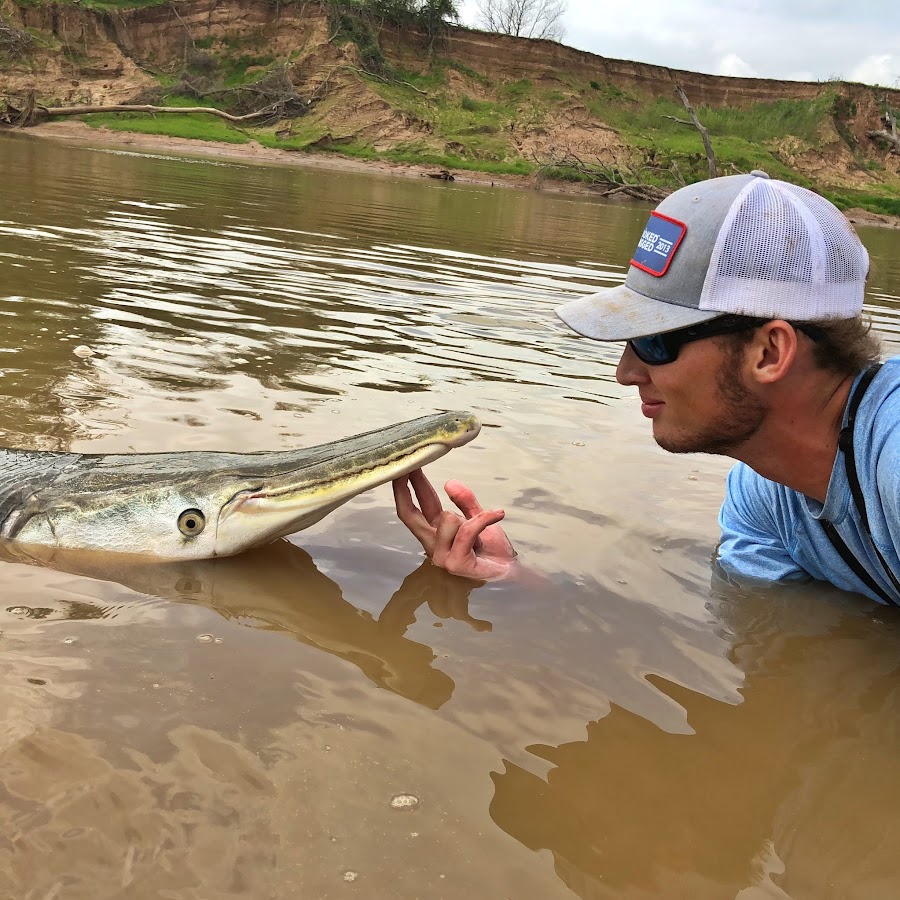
(472, 545)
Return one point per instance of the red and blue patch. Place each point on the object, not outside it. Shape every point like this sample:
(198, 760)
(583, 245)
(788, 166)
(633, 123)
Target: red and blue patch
(657, 246)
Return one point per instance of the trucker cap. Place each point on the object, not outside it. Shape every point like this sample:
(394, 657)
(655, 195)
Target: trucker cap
(739, 245)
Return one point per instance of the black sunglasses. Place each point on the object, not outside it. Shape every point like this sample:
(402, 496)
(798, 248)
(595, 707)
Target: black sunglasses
(659, 349)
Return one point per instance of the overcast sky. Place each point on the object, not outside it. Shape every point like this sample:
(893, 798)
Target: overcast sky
(807, 40)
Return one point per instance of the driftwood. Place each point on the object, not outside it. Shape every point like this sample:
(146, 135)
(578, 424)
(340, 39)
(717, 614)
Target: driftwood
(606, 180)
(273, 91)
(18, 116)
(32, 113)
(13, 41)
(695, 122)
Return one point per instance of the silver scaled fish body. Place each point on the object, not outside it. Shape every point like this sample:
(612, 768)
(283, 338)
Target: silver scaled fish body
(198, 504)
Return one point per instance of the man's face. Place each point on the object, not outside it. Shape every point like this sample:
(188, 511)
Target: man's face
(699, 403)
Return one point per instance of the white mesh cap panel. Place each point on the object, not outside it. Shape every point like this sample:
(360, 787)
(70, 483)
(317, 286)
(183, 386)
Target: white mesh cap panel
(785, 252)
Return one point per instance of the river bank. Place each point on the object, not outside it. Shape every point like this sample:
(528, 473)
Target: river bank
(486, 101)
(252, 153)
(82, 135)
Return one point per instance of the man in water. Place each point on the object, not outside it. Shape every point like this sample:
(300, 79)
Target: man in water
(741, 316)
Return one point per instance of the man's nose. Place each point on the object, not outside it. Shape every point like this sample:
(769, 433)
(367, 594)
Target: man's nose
(631, 371)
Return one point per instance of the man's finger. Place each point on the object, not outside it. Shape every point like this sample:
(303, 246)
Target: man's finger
(464, 499)
(411, 516)
(494, 541)
(403, 501)
(427, 496)
(448, 526)
(467, 536)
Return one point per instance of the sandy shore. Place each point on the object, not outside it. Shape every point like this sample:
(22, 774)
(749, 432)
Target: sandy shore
(878, 220)
(80, 134)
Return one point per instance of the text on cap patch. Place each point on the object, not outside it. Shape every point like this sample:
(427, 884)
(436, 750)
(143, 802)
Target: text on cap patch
(657, 246)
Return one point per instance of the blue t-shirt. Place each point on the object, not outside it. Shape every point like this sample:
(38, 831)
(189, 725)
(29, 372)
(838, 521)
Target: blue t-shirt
(774, 533)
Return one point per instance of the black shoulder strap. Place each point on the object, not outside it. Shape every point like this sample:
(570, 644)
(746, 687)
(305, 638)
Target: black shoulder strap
(845, 444)
(854, 564)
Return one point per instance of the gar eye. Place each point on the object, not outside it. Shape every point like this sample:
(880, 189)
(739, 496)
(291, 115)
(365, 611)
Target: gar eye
(191, 522)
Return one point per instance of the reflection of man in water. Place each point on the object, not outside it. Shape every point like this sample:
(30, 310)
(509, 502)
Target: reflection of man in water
(758, 794)
(741, 317)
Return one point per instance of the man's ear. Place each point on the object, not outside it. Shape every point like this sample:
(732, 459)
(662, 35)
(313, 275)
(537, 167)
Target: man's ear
(772, 352)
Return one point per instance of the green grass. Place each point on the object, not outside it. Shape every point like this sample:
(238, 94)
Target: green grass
(515, 91)
(886, 202)
(44, 39)
(760, 122)
(430, 80)
(422, 155)
(445, 63)
(686, 150)
(235, 70)
(434, 77)
(606, 91)
(742, 138)
(303, 133)
(449, 161)
(196, 126)
(479, 126)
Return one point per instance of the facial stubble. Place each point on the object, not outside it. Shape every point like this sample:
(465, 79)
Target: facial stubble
(740, 414)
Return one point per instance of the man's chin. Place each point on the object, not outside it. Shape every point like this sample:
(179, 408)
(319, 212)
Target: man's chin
(675, 446)
(664, 437)
(714, 445)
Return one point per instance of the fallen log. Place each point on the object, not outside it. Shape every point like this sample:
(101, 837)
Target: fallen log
(606, 179)
(32, 114)
(891, 137)
(886, 136)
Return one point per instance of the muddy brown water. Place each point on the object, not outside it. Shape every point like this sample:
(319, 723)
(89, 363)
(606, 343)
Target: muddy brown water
(626, 726)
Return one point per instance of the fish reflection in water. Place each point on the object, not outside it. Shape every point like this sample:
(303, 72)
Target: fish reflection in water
(278, 588)
(794, 792)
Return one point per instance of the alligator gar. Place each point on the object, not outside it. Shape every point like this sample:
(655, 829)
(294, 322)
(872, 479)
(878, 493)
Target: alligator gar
(198, 504)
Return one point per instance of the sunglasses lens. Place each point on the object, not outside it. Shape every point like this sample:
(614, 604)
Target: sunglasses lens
(652, 350)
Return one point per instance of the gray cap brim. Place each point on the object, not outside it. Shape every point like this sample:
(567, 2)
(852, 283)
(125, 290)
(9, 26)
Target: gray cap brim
(621, 314)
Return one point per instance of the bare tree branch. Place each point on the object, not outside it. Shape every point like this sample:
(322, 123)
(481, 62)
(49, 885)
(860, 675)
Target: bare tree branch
(184, 25)
(704, 134)
(606, 180)
(274, 90)
(13, 41)
(387, 80)
(523, 18)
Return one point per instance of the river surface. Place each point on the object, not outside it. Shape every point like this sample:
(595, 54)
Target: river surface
(330, 716)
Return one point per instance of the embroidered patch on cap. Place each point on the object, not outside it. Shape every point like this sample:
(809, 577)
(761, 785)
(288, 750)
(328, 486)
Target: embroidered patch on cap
(657, 246)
